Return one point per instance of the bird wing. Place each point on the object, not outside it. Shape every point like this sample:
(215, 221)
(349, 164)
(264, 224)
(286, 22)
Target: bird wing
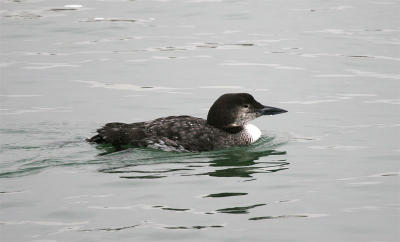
(180, 133)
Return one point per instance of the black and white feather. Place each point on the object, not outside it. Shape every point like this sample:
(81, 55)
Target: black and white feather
(226, 126)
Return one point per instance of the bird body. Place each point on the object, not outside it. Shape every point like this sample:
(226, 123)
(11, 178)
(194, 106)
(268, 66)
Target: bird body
(226, 126)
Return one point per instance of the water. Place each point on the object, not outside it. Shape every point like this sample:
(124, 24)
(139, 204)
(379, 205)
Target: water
(325, 171)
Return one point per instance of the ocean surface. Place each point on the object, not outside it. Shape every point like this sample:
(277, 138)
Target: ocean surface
(328, 170)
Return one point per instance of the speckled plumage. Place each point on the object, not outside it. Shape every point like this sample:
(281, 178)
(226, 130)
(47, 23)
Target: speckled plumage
(175, 133)
(225, 127)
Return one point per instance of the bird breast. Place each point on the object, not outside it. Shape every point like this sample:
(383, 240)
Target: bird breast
(252, 132)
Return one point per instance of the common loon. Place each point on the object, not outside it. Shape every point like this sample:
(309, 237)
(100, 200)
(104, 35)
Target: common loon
(226, 126)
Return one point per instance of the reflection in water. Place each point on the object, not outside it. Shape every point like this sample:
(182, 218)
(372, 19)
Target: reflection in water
(239, 210)
(143, 177)
(305, 215)
(176, 209)
(243, 164)
(233, 162)
(227, 194)
(110, 229)
(145, 224)
(195, 227)
(280, 216)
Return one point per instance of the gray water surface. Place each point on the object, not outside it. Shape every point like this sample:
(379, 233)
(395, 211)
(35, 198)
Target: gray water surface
(328, 170)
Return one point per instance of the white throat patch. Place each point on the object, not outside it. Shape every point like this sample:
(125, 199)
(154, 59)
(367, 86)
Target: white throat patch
(253, 131)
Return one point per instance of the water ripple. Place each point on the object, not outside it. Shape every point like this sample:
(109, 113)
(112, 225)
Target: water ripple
(274, 66)
(308, 215)
(50, 150)
(234, 162)
(239, 210)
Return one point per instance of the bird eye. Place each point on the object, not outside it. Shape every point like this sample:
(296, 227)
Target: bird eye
(246, 106)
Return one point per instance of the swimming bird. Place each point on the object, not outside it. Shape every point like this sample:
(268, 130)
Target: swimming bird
(226, 126)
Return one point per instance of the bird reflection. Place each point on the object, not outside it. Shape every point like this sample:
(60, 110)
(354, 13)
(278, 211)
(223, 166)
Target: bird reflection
(243, 163)
(237, 162)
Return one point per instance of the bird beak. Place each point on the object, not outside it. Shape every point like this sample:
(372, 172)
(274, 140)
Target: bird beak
(266, 110)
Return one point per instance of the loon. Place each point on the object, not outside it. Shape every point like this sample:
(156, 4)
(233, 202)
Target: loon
(226, 126)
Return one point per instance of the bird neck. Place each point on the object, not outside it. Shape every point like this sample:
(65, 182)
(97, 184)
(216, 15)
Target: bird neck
(234, 130)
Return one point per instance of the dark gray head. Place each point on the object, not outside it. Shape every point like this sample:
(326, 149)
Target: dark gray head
(236, 109)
